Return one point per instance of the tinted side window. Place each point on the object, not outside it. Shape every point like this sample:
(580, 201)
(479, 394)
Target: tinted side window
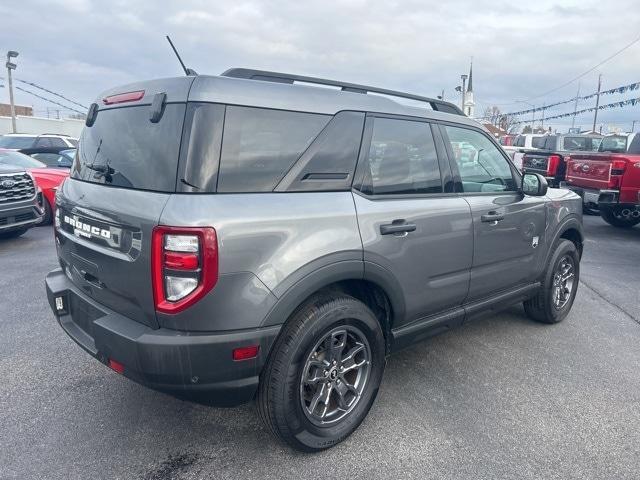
(402, 159)
(44, 142)
(481, 165)
(260, 145)
(57, 142)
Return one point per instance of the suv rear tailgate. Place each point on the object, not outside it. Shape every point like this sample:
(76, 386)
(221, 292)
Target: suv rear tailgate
(104, 245)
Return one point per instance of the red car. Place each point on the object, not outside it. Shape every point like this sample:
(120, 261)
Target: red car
(47, 178)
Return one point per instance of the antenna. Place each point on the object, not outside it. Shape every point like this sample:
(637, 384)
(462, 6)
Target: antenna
(187, 71)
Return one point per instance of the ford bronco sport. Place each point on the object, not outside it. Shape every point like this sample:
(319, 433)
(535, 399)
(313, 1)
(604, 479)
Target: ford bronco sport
(253, 236)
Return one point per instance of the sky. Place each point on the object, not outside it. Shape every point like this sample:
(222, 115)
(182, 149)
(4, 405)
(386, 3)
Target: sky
(520, 50)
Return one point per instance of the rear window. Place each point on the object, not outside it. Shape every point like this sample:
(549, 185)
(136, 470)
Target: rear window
(260, 145)
(123, 148)
(16, 142)
(538, 142)
(580, 144)
(614, 144)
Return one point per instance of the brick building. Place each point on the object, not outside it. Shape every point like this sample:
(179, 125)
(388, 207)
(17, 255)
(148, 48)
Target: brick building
(5, 110)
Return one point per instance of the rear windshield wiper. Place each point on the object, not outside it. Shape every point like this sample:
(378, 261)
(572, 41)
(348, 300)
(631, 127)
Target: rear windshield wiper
(101, 168)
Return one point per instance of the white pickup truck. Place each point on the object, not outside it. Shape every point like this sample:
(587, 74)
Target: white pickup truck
(528, 141)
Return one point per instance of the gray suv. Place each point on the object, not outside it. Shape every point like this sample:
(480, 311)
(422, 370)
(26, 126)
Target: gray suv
(267, 236)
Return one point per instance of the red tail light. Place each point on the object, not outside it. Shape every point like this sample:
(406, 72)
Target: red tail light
(184, 266)
(245, 353)
(618, 167)
(123, 97)
(552, 165)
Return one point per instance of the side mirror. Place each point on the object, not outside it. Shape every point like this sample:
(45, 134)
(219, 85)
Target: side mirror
(534, 184)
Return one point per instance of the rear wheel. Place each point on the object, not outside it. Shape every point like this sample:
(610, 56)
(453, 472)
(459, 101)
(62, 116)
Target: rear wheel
(559, 285)
(323, 373)
(614, 216)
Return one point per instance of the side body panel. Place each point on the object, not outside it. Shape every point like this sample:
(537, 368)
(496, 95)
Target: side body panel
(431, 263)
(267, 243)
(507, 252)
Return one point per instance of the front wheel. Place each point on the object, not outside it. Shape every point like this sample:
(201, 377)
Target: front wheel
(323, 373)
(559, 285)
(614, 216)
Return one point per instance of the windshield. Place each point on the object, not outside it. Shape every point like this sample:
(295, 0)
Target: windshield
(19, 160)
(16, 142)
(614, 144)
(581, 144)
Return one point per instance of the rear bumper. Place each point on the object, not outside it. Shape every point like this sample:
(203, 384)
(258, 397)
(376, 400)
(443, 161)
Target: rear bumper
(197, 366)
(600, 198)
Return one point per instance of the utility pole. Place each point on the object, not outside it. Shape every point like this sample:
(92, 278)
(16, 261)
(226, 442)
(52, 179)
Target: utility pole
(633, 126)
(11, 66)
(575, 107)
(542, 124)
(595, 114)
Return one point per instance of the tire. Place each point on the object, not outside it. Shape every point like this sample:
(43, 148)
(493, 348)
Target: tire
(13, 233)
(286, 403)
(48, 213)
(546, 306)
(613, 217)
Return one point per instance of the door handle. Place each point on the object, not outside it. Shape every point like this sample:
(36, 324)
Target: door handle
(397, 226)
(492, 217)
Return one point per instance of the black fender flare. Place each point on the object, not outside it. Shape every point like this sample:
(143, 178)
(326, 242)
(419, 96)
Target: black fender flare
(571, 221)
(314, 278)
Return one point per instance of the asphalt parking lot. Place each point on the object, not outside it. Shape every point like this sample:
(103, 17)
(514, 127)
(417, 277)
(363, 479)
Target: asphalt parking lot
(499, 398)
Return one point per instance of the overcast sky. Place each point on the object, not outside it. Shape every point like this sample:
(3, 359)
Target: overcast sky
(520, 49)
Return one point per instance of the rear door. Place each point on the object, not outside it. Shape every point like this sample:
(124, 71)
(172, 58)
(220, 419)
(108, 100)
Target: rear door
(122, 176)
(411, 222)
(509, 227)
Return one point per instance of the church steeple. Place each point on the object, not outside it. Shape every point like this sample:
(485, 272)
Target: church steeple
(469, 104)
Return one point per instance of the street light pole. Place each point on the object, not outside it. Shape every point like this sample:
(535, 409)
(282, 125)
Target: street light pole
(11, 66)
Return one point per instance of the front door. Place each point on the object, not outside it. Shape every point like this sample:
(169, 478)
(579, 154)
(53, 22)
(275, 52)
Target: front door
(409, 225)
(508, 226)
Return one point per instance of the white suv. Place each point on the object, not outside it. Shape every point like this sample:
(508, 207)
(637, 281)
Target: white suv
(18, 141)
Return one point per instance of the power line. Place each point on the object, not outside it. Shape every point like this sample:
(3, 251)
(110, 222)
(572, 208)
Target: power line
(49, 91)
(52, 93)
(49, 100)
(570, 81)
(588, 71)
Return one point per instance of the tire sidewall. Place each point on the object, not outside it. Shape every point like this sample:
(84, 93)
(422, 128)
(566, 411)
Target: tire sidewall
(565, 247)
(349, 312)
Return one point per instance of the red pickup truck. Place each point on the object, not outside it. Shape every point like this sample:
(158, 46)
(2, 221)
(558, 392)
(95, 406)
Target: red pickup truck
(609, 179)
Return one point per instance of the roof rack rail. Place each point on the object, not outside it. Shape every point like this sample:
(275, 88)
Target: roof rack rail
(250, 74)
(54, 134)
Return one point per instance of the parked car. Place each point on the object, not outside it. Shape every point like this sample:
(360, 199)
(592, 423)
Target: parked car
(549, 160)
(17, 141)
(20, 202)
(261, 246)
(54, 157)
(48, 179)
(609, 179)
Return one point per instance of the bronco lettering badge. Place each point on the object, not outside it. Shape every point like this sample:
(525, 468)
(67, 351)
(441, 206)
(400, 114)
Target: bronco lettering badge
(82, 229)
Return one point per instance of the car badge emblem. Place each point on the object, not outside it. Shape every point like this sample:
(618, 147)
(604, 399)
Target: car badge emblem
(585, 168)
(8, 183)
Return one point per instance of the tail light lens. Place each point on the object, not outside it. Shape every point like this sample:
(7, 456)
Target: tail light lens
(618, 167)
(123, 97)
(184, 266)
(552, 165)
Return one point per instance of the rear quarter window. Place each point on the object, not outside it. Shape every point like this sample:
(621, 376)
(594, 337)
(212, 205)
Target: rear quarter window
(260, 145)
